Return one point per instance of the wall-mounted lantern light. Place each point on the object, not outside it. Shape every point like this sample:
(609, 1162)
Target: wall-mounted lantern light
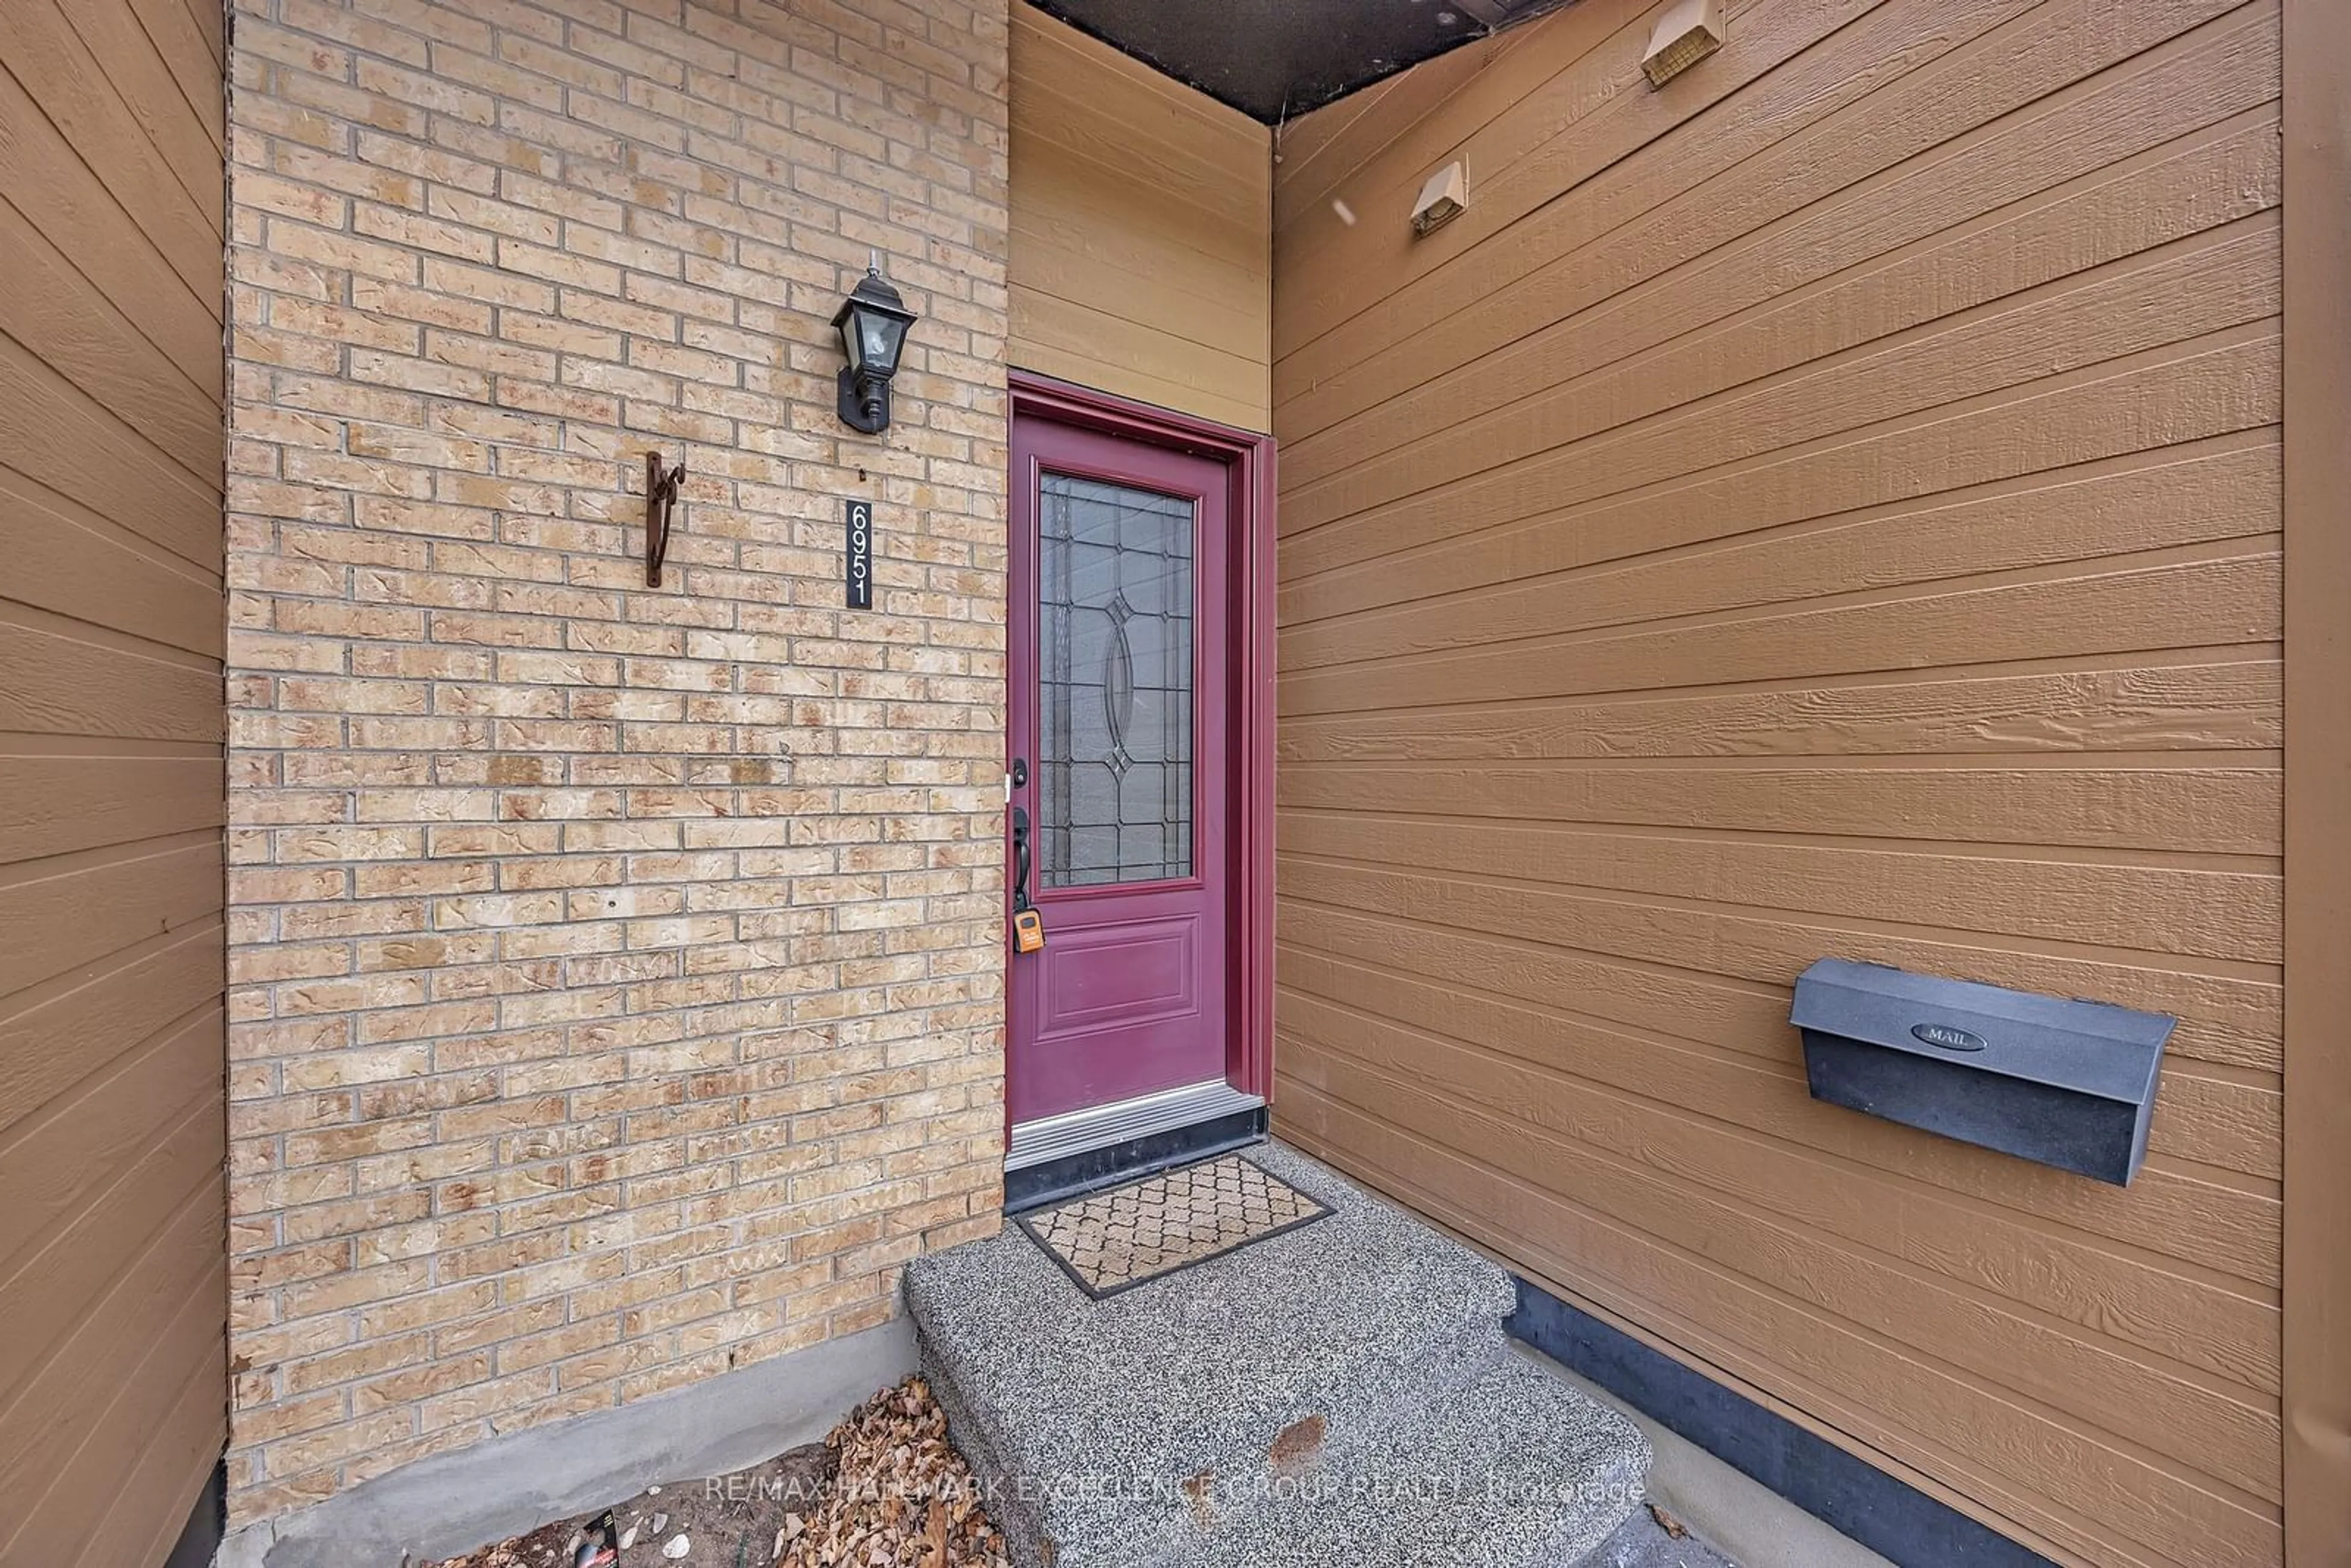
(873, 323)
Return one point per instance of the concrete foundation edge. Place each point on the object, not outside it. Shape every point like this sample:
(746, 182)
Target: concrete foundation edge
(455, 1502)
(1804, 1502)
(1740, 1517)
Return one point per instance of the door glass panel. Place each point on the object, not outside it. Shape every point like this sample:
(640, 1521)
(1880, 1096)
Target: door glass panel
(1114, 675)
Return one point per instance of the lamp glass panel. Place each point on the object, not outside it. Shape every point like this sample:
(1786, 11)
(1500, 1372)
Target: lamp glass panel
(853, 340)
(882, 334)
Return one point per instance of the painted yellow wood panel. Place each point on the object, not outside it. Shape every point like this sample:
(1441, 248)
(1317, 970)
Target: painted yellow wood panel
(1140, 259)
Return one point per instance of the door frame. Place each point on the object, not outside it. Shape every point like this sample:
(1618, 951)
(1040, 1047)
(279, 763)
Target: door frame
(1250, 457)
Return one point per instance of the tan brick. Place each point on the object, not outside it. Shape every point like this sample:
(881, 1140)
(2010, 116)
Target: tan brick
(524, 899)
(288, 1417)
(390, 1456)
(425, 1308)
(348, 1440)
(536, 1350)
(361, 1360)
(402, 1390)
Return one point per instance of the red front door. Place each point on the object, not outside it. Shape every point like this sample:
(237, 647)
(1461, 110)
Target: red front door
(1119, 750)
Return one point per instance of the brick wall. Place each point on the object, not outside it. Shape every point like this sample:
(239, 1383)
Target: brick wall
(616, 971)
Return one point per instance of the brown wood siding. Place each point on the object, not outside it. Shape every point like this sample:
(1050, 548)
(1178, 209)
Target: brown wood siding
(113, 1383)
(2317, 1355)
(1141, 223)
(1830, 505)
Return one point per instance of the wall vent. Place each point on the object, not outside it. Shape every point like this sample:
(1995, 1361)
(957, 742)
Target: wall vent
(1688, 32)
(1442, 198)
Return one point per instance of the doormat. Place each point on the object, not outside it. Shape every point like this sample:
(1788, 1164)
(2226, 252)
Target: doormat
(1130, 1235)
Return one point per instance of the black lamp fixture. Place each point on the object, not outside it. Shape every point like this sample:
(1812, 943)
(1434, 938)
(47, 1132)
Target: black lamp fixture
(873, 323)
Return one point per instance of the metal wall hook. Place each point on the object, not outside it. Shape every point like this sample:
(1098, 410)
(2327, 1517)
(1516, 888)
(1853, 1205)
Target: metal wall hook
(662, 484)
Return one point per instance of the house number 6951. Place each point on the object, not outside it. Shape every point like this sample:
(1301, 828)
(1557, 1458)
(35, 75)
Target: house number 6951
(859, 563)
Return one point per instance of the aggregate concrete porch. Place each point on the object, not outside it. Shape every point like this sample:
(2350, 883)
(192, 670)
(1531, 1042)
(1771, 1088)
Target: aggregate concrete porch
(1342, 1393)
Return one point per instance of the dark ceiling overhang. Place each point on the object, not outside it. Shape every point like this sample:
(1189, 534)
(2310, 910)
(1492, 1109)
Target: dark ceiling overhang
(1274, 59)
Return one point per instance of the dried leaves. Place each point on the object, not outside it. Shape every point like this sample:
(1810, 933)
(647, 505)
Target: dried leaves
(901, 1496)
(884, 1490)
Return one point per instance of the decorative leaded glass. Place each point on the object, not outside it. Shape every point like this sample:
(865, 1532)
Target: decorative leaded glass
(1114, 638)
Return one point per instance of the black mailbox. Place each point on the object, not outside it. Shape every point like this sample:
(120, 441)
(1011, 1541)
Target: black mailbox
(2066, 1084)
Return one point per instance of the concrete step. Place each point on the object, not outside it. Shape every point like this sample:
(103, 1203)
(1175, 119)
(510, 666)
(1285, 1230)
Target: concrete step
(1139, 1430)
(1513, 1469)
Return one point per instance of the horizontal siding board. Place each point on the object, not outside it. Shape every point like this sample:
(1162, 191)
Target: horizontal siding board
(2122, 1277)
(75, 562)
(2215, 809)
(118, 473)
(211, 22)
(1194, 170)
(159, 1325)
(112, 1210)
(1997, 1455)
(1774, 949)
(1089, 227)
(62, 685)
(2217, 1122)
(2186, 290)
(78, 919)
(1413, 121)
(176, 1469)
(43, 178)
(1412, 118)
(1088, 232)
(2228, 597)
(118, 43)
(2180, 1216)
(1939, 75)
(50, 1045)
(1585, 114)
(2203, 1121)
(69, 803)
(53, 1165)
(1830, 505)
(182, 42)
(1583, 962)
(2191, 706)
(2215, 386)
(1681, 1181)
(1188, 376)
(1060, 64)
(55, 66)
(47, 1291)
(2202, 913)
(58, 314)
(1085, 368)
(2209, 490)
(1595, 111)
(1739, 235)
(1640, 352)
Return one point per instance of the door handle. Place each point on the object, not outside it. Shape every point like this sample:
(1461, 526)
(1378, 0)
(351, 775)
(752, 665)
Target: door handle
(1020, 857)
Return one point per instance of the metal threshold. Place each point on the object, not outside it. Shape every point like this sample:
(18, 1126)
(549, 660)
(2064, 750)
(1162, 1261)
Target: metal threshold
(1099, 1126)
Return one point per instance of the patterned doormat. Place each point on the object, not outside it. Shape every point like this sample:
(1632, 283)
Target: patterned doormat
(1127, 1236)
